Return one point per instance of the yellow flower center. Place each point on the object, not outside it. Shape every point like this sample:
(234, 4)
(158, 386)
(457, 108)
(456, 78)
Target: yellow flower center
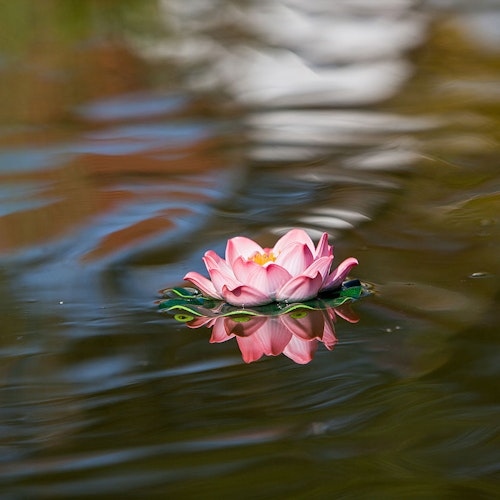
(263, 258)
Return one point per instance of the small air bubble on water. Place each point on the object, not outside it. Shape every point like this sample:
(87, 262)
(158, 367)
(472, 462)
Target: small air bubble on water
(478, 275)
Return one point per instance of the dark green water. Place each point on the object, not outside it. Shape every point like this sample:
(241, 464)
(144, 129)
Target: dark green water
(136, 135)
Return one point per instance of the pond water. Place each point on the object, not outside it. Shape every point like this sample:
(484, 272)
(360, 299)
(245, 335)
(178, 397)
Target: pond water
(134, 136)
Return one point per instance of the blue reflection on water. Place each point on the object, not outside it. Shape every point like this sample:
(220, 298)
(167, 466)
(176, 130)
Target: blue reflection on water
(177, 133)
(132, 106)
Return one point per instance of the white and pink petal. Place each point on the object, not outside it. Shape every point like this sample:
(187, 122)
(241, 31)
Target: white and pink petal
(321, 265)
(243, 269)
(245, 295)
(295, 258)
(339, 274)
(293, 236)
(269, 279)
(203, 284)
(323, 249)
(240, 246)
(214, 261)
(221, 279)
(300, 288)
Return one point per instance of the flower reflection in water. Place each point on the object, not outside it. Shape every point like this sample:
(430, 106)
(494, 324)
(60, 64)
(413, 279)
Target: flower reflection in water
(294, 330)
(295, 334)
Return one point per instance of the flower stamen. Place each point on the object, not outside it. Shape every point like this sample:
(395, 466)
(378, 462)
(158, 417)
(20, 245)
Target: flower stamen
(263, 258)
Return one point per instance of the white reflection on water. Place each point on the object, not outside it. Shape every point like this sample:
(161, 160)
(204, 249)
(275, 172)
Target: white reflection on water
(319, 131)
(290, 63)
(326, 34)
(330, 53)
(282, 78)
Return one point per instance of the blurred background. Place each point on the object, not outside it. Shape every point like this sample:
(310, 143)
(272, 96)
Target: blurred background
(136, 135)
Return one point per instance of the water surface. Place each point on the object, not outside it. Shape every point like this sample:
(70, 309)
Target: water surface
(136, 135)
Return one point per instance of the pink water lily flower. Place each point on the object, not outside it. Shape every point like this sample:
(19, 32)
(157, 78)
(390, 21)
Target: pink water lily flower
(294, 270)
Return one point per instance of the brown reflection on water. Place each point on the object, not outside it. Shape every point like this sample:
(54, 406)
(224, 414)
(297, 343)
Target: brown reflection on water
(41, 87)
(93, 185)
(48, 74)
(43, 77)
(56, 54)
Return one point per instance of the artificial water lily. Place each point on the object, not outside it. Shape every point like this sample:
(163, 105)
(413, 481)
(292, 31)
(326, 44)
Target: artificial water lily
(294, 270)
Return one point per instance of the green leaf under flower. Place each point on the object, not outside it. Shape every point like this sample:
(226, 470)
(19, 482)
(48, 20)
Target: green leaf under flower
(187, 303)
